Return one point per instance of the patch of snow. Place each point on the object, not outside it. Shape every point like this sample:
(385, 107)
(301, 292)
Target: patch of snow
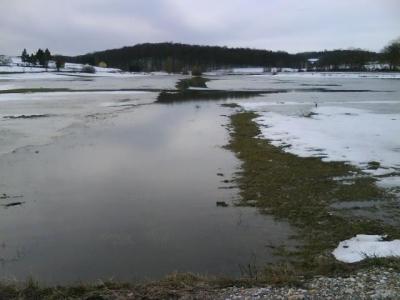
(364, 246)
(289, 70)
(374, 66)
(236, 71)
(313, 60)
(264, 105)
(336, 134)
(20, 69)
(389, 182)
(55, 75)
(380, 75)
(16, 59)
(72, 67)
(210, 73)
(380, 171)
(198, 88)
(105, 74)
(41, 96)
(4, 87)
(31, 75)
(161, 73)
(247, 70)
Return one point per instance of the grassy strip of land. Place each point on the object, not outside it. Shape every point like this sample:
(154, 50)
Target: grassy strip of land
(301, 190)
(34, 90)
(52, 90)
(174, 286)
(203, 95)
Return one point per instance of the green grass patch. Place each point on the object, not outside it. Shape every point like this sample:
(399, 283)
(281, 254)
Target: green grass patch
(301, 190)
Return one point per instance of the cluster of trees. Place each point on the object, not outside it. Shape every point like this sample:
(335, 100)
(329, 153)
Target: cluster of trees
(40, 57)
(392, 54)
(353, 59)
(174, 58)
(356, 59)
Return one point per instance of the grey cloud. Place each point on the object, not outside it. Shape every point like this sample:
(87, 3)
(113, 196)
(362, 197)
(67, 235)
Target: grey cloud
(80, 26)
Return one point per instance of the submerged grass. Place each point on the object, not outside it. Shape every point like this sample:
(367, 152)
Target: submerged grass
(301, 190)
(203, 95)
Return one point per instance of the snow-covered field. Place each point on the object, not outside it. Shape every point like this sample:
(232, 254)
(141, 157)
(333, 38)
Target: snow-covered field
(381, 75)
(355, 120)
(362, 137)
(17, 67)
(337, 134)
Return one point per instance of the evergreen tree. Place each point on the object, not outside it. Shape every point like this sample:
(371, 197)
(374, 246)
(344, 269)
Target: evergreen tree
(24, 56)
(32, 59)
(40, 57)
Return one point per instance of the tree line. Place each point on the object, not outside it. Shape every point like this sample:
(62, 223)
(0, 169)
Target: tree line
(175, 57)
(42, 58)
(392, 54)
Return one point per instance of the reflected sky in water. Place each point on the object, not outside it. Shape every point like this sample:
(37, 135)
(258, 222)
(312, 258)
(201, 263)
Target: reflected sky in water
(131, 198)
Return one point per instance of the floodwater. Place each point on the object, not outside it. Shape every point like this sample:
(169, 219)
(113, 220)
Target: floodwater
(123, 192)
(117, 185)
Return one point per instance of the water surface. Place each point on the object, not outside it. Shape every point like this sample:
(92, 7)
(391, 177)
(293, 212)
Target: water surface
(130, 198)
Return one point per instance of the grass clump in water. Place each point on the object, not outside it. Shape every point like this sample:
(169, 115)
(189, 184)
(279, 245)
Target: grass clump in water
(195, 81)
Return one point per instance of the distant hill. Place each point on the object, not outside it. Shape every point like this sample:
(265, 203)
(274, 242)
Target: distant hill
(175, 57)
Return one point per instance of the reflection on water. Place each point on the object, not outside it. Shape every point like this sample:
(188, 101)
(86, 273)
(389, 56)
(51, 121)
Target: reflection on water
(130, 199)
(203, 95)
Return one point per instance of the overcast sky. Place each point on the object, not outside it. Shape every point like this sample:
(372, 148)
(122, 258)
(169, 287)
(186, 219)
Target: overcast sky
(81, 26)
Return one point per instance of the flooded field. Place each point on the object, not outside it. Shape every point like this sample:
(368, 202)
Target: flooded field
(114, 184)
